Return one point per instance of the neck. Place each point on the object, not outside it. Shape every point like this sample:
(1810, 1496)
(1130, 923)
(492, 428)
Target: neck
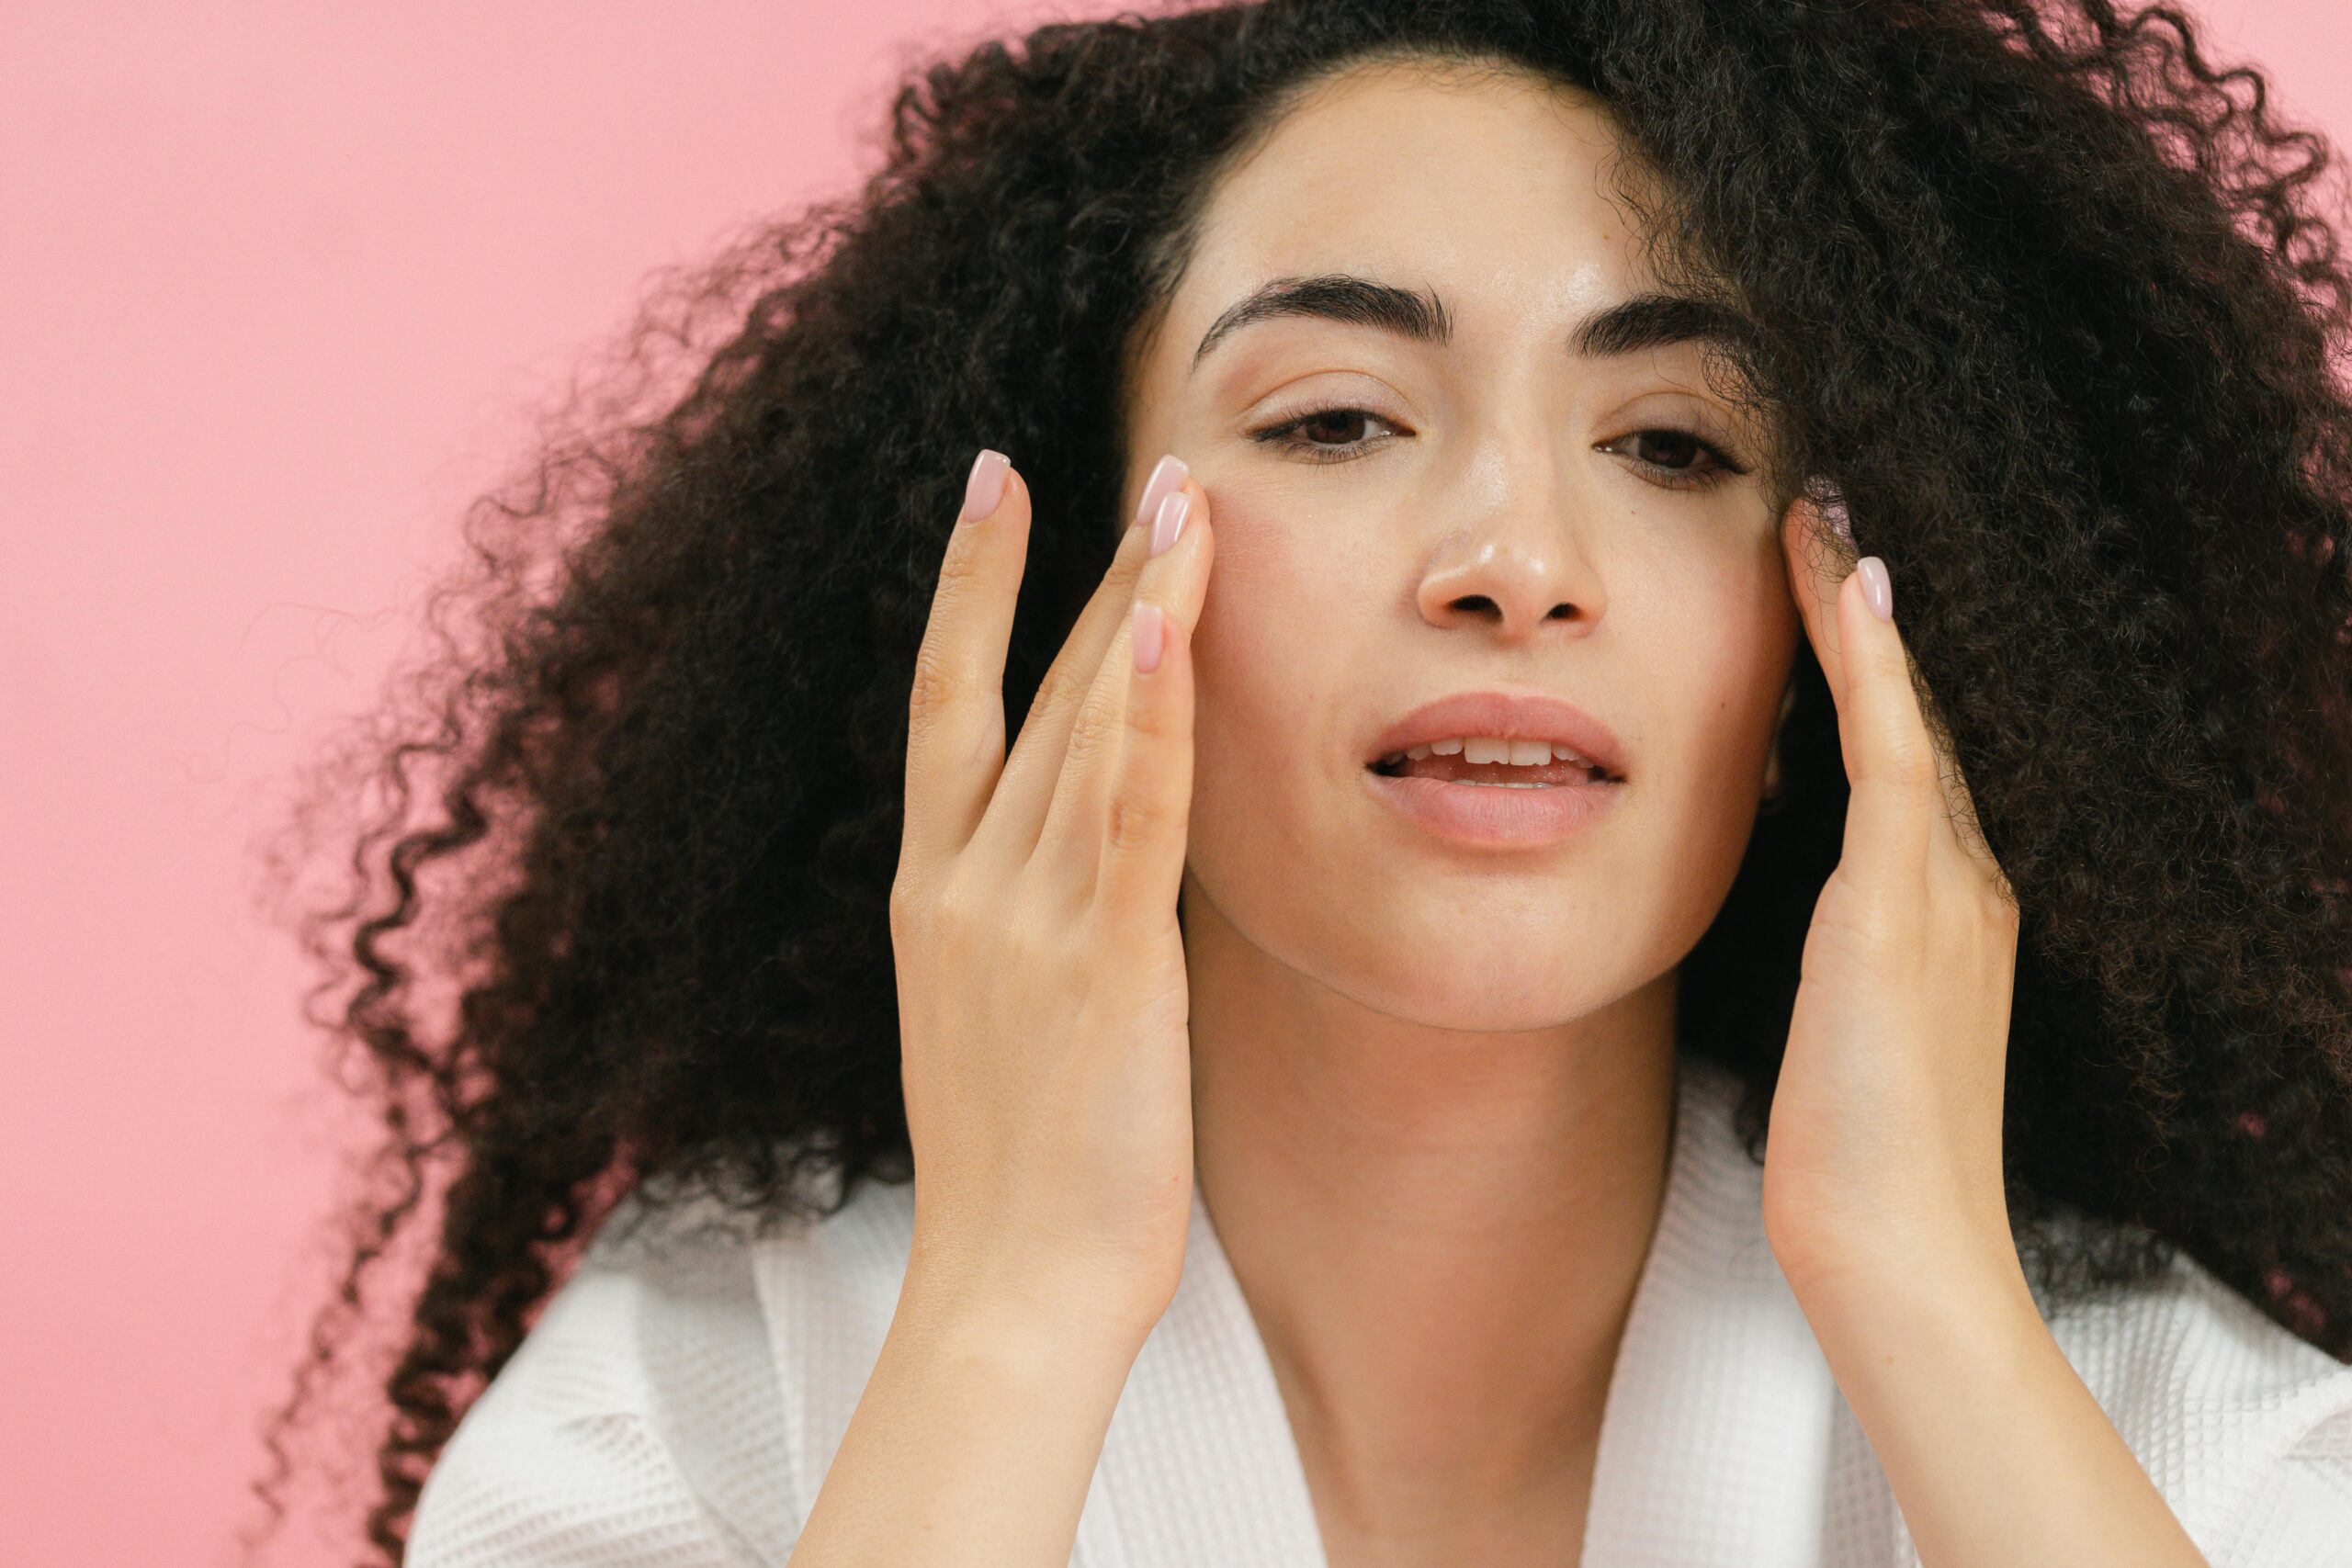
(1438, 1231)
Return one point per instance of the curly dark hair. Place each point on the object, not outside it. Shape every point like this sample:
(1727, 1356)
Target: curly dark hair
(2044, 300)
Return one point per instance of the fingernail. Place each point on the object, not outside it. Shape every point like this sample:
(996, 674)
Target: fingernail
(1170, 520)
(1167, 475)
(1831, 506)
(985, 488)
(1878, 589)
(1150, 637)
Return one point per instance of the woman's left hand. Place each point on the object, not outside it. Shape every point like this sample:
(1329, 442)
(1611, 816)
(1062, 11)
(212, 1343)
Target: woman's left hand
(1884, 1151)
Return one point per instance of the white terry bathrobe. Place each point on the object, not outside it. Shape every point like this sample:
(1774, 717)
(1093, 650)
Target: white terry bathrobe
(679, 1400)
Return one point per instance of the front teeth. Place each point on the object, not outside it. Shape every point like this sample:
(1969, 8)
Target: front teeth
(1494, 748)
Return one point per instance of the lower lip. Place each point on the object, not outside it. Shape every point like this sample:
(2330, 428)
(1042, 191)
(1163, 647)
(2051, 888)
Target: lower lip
(1496, 814)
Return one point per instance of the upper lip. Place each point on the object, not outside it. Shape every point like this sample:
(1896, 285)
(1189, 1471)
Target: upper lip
(1512, 716)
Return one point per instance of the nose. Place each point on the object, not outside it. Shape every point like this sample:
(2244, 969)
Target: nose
(1518, 560)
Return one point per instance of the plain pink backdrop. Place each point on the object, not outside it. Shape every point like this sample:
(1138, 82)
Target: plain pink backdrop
(284, 285)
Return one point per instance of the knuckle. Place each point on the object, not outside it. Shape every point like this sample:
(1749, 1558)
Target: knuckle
(910, 924)
(1092, 732)
(913, 905)
(1997, 906)
(1910, 764)
(1878, 929)
(955, 918)
(1148, 722)
(936, 683)
(950, 907)
(1055, 689)
(961, 569)
(1133, 821)
(1032, 946)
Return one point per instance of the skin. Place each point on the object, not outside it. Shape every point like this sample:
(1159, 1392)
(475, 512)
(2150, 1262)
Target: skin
(1431, 1083)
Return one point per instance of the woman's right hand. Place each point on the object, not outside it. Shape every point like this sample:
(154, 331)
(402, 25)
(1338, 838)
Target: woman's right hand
(1043, 1007)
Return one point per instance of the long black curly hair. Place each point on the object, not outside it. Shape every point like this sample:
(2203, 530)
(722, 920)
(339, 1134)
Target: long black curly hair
(2045, 294)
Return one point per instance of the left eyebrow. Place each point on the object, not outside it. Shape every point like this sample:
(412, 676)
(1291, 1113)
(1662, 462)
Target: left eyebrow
(1633, 325)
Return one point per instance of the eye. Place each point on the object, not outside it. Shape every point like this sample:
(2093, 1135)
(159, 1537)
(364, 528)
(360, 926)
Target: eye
(1327, 420)
(1677, 450)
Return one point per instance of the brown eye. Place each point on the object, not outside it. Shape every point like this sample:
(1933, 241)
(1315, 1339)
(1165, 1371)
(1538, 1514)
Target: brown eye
(1318, 423)
(1680, 459)
(1330, 424)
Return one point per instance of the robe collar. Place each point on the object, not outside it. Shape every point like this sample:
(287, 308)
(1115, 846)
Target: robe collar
(1717, 1432)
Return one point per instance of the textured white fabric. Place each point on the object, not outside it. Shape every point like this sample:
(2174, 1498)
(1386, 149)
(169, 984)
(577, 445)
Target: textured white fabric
(679, 1400)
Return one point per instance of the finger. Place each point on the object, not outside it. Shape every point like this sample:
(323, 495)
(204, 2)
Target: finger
(1146, 821)
(1149, 818)
(955, 708)
(1819, 553)
(1896, 802)
(1025, 791)
(1071, 841)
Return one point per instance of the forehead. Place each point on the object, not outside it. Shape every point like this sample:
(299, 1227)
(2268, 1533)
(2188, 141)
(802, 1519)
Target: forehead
(1492, 183)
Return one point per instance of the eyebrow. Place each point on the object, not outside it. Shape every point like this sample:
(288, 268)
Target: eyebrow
(1639, 323)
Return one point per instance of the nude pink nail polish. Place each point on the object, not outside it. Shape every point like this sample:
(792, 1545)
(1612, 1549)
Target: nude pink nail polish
(984, 489)
(1167, 475)
(1878, 589)
(1831, 506)
(1169, 522)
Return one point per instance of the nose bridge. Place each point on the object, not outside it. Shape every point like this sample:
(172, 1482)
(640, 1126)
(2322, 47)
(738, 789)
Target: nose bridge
(1515, 552)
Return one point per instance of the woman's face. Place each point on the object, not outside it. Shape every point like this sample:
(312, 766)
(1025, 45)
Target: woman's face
(1505, 513)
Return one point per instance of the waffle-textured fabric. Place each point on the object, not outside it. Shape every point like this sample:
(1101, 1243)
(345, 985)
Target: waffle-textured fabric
(679, 1400)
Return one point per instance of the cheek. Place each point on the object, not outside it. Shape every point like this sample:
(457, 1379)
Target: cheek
(1725, 679)
(1720, 638)
(1271, 676)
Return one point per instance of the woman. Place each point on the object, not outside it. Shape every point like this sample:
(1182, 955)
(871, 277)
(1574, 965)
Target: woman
(1875, 1091)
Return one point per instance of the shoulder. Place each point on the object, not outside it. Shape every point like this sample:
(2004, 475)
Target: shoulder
(2245, 1428)
(639, 1420)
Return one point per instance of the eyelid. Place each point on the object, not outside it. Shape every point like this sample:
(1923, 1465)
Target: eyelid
(1332, 387)
(1696, 419)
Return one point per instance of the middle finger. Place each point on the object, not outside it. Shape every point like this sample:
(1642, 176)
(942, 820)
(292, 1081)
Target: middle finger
(1024, 790)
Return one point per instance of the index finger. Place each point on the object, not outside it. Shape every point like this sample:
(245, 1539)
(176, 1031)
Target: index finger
(1888, 729)
(955, 708)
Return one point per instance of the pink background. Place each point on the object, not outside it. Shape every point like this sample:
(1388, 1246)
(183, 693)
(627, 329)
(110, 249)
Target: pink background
(284, 285)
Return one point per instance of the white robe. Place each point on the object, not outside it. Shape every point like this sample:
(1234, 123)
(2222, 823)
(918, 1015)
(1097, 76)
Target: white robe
(680, 1399)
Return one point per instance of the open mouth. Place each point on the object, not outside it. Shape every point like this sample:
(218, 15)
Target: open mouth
(1558, 773)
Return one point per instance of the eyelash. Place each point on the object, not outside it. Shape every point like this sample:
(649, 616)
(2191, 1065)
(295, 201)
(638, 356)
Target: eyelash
(1673, 479)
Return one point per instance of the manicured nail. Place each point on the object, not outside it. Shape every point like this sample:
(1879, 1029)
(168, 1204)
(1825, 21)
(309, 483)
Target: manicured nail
(1167, 475)
(1878, 589)
(1150, 637)
(1831, 506)
(1170, 520)
(985, 488)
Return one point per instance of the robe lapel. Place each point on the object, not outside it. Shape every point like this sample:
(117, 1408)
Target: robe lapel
(828, 1291)
(1200, 1465)
(1716, 1435)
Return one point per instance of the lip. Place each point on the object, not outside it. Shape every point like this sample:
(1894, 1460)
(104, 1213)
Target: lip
(1493, 813)
(1512, 715)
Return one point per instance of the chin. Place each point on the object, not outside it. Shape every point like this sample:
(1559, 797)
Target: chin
(1461, 978)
